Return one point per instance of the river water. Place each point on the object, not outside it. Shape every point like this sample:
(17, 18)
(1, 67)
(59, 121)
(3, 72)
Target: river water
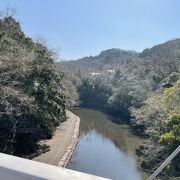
(105, 148)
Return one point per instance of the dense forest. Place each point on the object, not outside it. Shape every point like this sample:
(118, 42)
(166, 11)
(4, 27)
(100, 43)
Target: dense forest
(144, 88)
(34, 92)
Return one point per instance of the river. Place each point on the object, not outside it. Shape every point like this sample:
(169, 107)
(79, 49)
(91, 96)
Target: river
(105, 148)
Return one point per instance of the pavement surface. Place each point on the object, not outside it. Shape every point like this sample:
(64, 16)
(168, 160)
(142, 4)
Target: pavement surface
(60, 141)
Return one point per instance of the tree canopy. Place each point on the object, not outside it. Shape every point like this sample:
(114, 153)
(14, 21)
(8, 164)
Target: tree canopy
(34, 92)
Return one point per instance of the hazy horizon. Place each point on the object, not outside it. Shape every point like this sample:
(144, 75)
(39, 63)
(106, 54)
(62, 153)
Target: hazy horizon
(119, 49)
(83, 28)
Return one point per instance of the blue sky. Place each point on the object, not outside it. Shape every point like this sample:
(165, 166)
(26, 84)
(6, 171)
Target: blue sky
(85, 27)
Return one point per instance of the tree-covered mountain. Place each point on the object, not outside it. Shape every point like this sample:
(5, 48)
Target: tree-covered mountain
(167, 54)
(107, 59)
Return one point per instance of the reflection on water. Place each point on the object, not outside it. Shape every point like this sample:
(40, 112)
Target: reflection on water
(105, 148)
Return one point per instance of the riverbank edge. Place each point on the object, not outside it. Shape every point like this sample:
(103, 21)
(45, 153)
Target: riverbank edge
(64, 161)
(62, 144)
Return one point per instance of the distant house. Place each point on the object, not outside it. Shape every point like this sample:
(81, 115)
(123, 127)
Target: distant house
(93, 73)
(111, 70)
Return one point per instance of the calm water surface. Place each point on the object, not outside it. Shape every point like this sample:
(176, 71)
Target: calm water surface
(105, 148)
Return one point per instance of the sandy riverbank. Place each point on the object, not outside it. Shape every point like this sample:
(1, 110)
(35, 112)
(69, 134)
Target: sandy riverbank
(63, 142)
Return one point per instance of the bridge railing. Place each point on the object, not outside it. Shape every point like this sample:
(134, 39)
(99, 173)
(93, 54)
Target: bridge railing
(165, 163)
(15, 168)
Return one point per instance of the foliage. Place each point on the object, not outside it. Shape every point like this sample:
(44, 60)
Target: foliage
(160, 116)
(34, 93)
(94, 92)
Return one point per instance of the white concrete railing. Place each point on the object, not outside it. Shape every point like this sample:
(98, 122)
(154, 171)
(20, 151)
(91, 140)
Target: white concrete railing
(15, 168)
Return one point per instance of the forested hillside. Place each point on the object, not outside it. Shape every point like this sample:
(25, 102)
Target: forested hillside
(107, 59)
(34, 93)
(144, 88)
